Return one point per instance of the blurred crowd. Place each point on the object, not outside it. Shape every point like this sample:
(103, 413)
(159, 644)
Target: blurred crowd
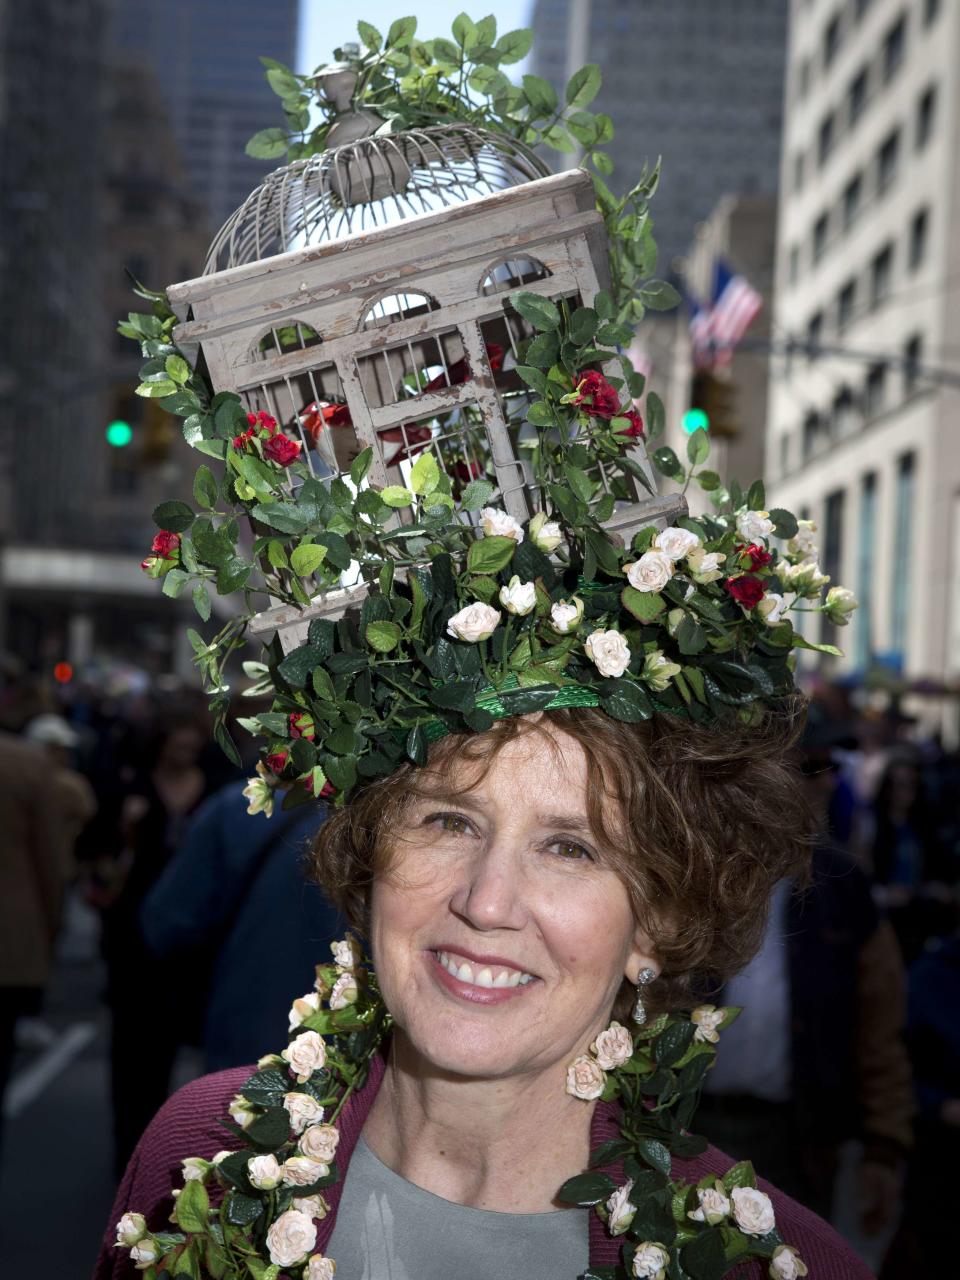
(112, 789)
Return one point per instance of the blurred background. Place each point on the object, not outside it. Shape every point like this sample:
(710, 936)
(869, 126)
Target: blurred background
(808, 214)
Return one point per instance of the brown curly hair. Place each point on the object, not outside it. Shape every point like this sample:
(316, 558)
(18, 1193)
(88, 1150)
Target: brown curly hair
(704, 822)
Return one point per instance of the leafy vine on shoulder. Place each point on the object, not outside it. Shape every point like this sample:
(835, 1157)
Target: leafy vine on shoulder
(421, 606)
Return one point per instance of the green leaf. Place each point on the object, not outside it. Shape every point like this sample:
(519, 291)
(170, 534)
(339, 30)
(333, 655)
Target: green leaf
(476, 495)
(173, 516)
(458, 696)
(205, 487)
(667, 462)
(464, 30)
(445, 51)
(541, 95)
(698, 446)
(296, 667)
(583, 325)
(178, 369)
(756, 496)
(370, 36)
(543, 351)
(424, 474)
(784, 523)
(739, 1175)
(156, 390)
(558, 139)
(193, 1208)
(626, 701)
(579, 482)
(232, 575)
(416, 746)
(691, 637)
(277, 555)
(383, 636)
(307, 558)
(583, 86)
(490, 555)
(656, 415)
(268, 144)
(670, 1046)
(659, 296)
(655, 1154)
(513, 46)
(361, 465)
(241, 1210)
(587, 1189)
(708, 481)
(606, 553)
(535, 379)
(540, 311)
(401, 32)
(174, 582)
(395, 495)
(644, 605)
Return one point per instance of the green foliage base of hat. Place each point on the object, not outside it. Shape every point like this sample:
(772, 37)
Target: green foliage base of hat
(470, 614)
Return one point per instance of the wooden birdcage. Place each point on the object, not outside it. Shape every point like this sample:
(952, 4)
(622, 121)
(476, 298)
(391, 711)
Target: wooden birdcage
(359, 298)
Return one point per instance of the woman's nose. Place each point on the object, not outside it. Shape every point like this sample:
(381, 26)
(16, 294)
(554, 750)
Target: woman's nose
(490, 894)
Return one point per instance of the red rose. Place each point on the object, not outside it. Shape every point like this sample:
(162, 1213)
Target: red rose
(240, 441)
(265, 421)
(252, 419)
(636, 424)
(166, 544)
(596, 396)
(276, 762)
(301, 725)
(281, 449)
(328, 789)
(746, 590)
(758, 556)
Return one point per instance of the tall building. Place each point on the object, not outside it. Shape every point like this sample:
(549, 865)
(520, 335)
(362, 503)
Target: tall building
(698, 83)
(862, 435)
(206, 56)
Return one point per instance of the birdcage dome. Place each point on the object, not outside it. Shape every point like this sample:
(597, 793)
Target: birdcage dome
(371, 182)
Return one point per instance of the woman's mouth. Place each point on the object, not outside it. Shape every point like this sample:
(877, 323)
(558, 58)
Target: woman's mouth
(478, 975)
(479, 982)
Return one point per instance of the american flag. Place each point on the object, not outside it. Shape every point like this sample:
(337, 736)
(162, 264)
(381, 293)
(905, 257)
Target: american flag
(715, 329)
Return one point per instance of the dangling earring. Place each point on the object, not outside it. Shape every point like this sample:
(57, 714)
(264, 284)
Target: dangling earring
(644, 977)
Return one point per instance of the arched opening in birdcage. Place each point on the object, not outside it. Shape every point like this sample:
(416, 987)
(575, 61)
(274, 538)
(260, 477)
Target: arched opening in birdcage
(393, 307)
(295, 336)
(311, 407)
(513, 273)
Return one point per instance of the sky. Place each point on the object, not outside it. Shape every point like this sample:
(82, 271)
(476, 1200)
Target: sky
(325, 24)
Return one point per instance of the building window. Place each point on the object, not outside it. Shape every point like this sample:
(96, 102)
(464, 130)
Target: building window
(793, 270)
(813, 434)
(803, 79)
(866, 539)
(846, 302)
(887, 158)
(798, 171)
(832, 558)
(820, 228)
(784, 453)
(861, 7)
(881, 275)
(876, 390)
(857, 96)
(902, 569)
(931, 11)
(831, 40)
(852, 196)
(894, 47)
(918, 238)
(912, 361)
(844, 414)
(926, 111)
(825, 138)
(814, 335)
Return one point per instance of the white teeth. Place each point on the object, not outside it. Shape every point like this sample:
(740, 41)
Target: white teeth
(463, 971)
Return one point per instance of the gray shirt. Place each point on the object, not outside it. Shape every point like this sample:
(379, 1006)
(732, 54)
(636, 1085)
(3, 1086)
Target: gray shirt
(389, 1229)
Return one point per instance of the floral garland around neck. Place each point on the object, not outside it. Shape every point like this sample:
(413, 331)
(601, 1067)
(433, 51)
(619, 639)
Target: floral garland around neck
(251, 1214)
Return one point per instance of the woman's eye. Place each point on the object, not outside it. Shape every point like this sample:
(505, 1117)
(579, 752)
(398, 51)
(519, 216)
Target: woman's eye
(572, 851)
(455, 823)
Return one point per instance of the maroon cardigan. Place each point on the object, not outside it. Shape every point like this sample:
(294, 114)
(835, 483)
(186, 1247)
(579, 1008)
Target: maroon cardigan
(186, 1125)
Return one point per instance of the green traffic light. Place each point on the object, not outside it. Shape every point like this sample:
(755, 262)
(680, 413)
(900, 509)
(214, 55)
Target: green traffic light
(119, 434)
(695, 420)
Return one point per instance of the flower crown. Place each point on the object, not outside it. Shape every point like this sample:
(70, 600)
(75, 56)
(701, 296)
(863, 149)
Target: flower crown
(468, 614)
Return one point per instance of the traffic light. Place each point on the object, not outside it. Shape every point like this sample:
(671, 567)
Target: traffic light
(712, 405)
(119, 433)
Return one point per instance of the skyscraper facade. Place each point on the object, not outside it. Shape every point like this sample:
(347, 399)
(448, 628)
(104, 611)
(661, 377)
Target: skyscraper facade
(698, 83)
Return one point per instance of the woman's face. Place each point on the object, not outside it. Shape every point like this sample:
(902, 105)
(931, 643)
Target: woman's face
(500, 937)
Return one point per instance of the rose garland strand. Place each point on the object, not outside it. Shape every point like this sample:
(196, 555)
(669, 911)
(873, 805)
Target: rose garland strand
(268, 1195)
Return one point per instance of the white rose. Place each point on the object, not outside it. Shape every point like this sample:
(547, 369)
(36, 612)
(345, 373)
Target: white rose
(650, 1261)
(613, 1047)
(674, 618)
(676, 543)
(803, 543)
(752, 1211)
(585, 1078)
(714, 1205)
(299, 1171)
(519, 597)
(305, 1054)
(839, 604)
(498, 524)
(786, 1264)
(195, 1169)
(291, 1238)
(545, 534)
(706, 1018)
(651, 572)
(241, 1111)
(319, 1143)
(260, 795)
(773, 606)
(805, 577)
(313, 1206)
(144, 1254)
(131, 1229)
(474, 623)
(302, 1008)
(302, 1110)
(620, 1209)
(220, 1157)
(754, 526)
(658, 670)
(264, 1172)
(269, 1060)
(609, 652)
(566, 615)
(320, 1268)
(347, 953)
(705, 565)
(344, 990)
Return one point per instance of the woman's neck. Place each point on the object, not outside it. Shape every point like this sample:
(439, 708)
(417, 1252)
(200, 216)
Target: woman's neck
(505, 1145)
